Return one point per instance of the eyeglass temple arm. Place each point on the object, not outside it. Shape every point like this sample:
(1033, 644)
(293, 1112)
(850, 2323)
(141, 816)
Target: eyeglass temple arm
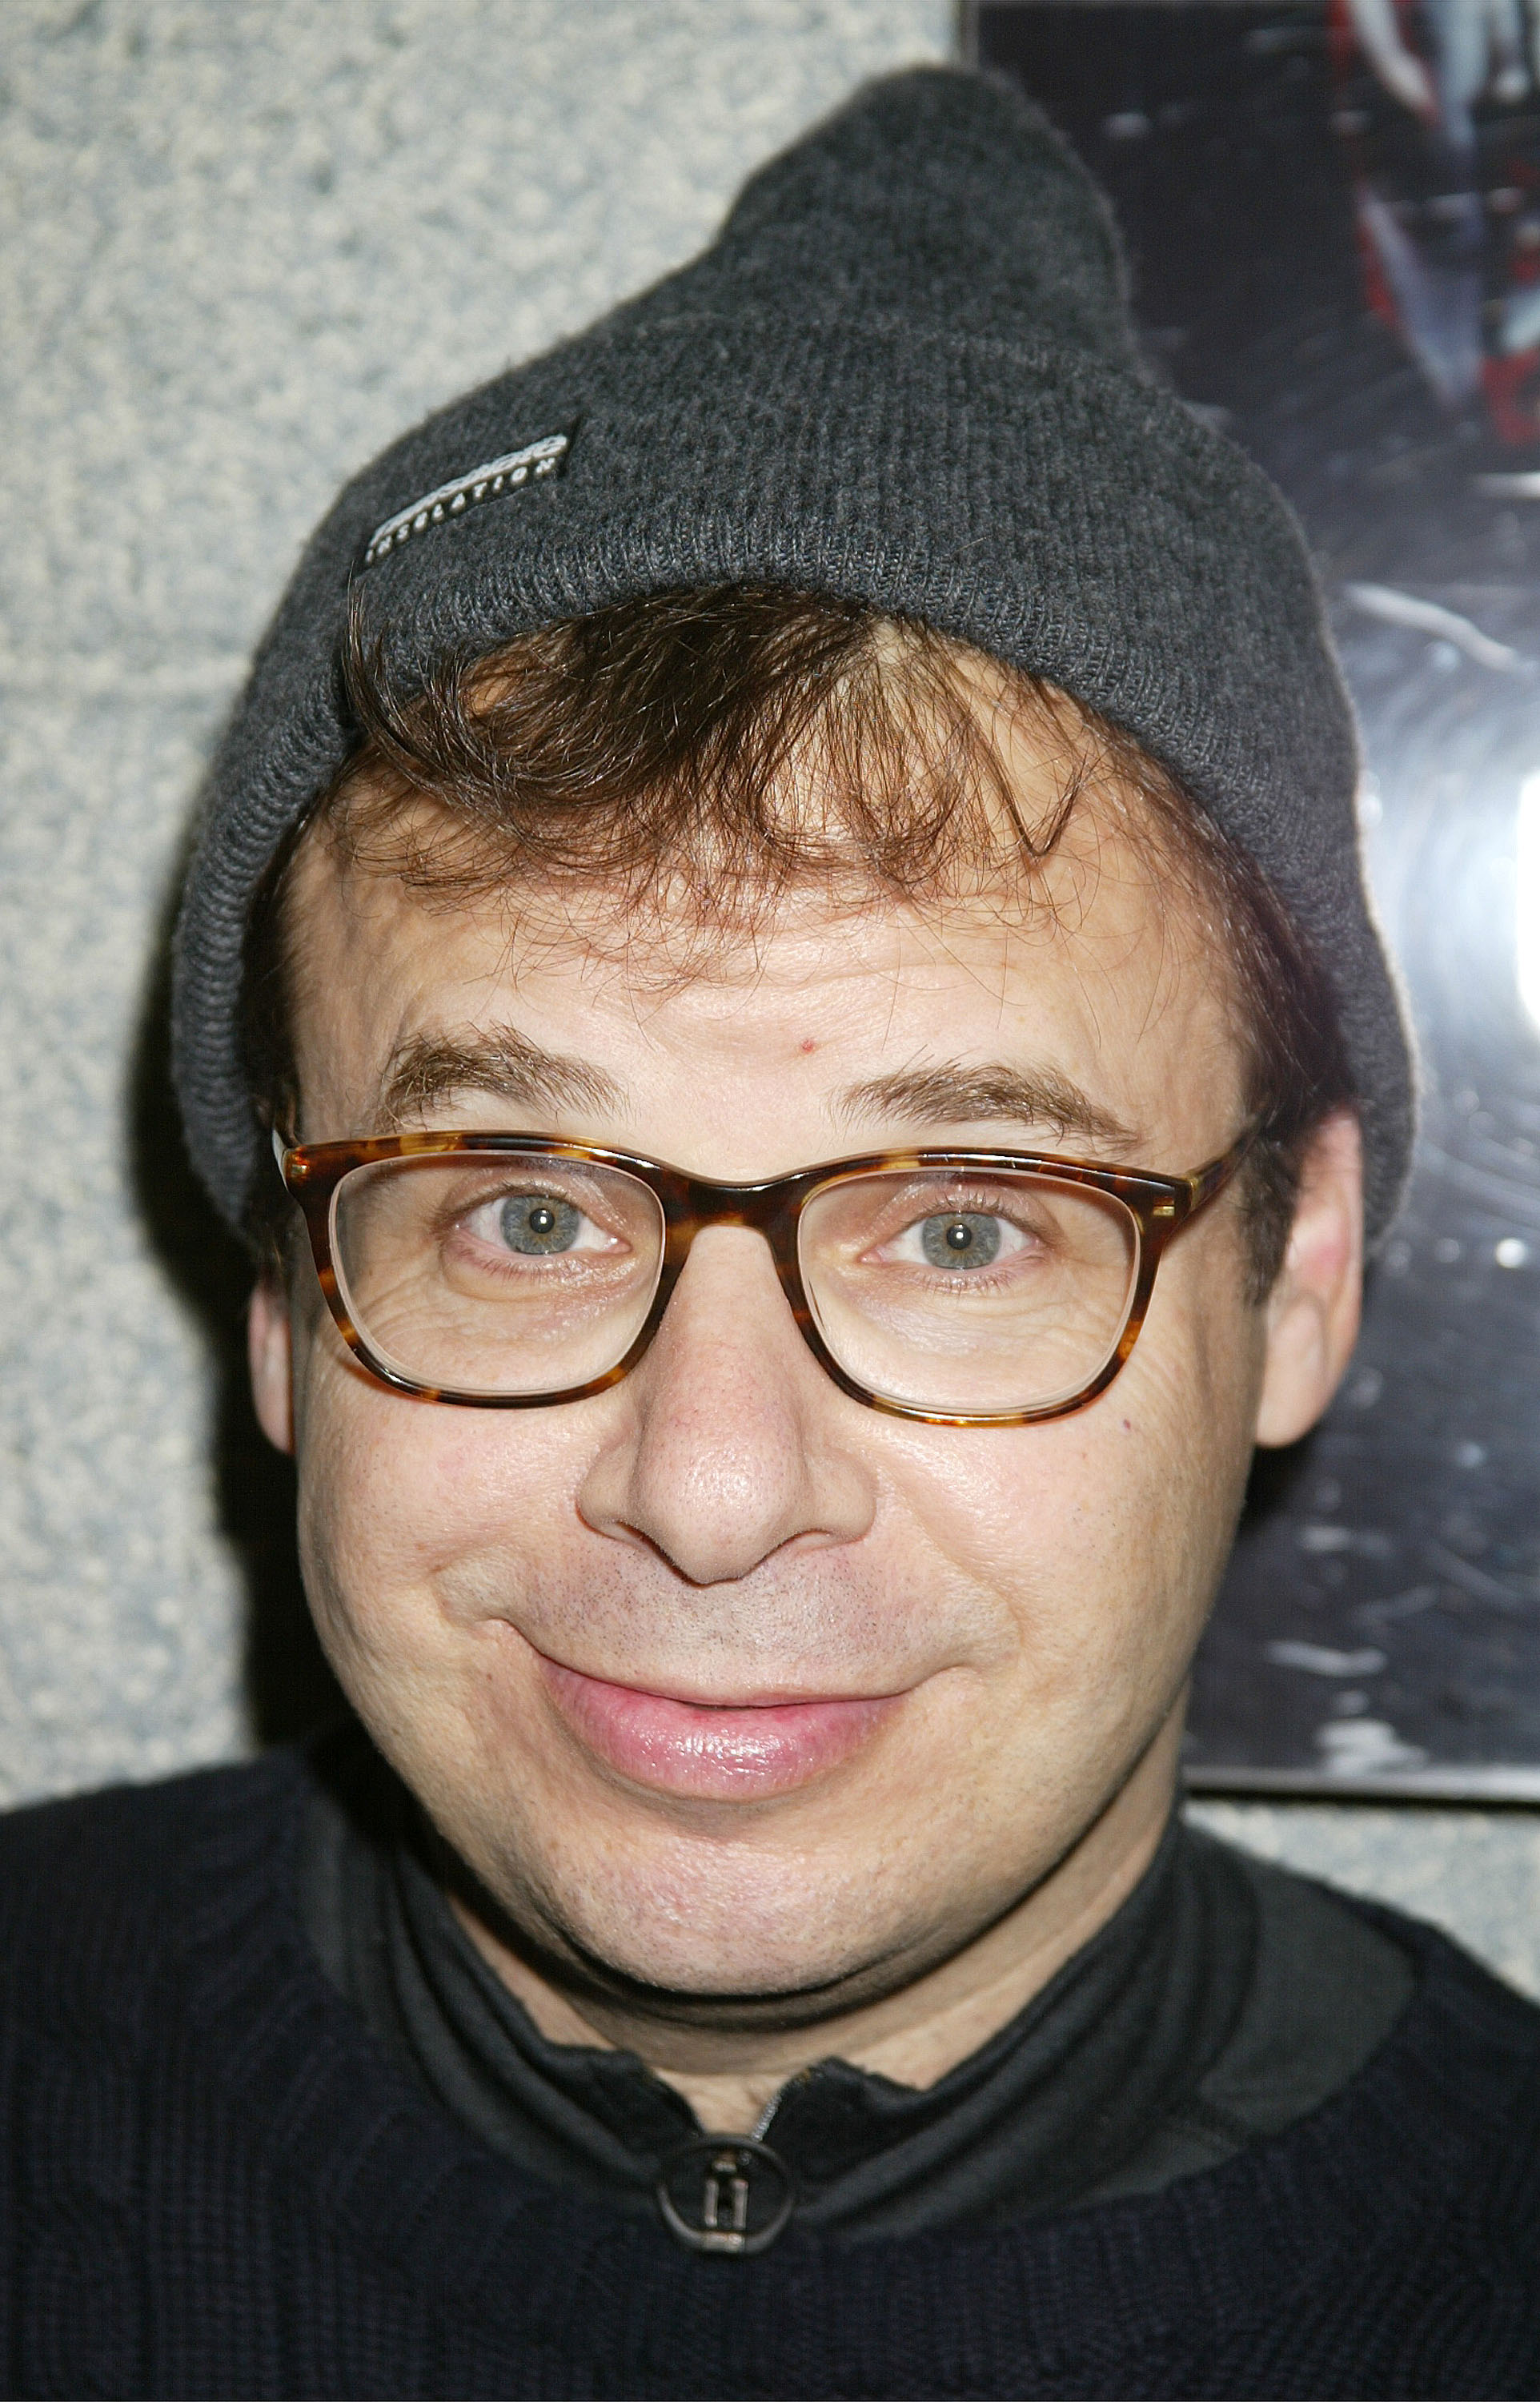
(1205, 1182)
(283, 1146)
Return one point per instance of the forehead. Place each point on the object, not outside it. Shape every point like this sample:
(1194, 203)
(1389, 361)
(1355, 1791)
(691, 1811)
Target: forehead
(1093, 967)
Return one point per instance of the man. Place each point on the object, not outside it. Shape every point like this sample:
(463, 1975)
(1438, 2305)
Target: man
(776, 970)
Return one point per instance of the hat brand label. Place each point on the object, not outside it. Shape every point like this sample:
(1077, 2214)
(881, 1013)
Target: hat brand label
(513, 471)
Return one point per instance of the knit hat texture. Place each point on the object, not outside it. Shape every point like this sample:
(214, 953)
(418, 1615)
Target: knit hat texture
(904, 373)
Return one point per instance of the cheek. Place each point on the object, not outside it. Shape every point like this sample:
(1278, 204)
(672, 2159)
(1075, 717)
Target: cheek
(395, 1494)
(1185, 1408)
(1103, 1535)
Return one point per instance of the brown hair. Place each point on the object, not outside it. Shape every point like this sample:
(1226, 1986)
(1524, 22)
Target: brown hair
(696, 754)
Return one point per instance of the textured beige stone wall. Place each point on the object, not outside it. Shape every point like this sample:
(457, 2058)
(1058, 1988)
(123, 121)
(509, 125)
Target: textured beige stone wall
(241, 246)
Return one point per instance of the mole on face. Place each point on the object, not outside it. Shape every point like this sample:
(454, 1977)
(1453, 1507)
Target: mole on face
(807, 1043)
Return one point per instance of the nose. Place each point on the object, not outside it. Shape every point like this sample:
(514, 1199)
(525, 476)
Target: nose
(733, 1443)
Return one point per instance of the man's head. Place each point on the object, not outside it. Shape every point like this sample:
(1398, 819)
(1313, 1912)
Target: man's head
(837, 707)
(745, 882)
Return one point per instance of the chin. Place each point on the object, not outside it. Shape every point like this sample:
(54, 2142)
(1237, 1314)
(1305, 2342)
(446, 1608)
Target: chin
(711, 1922)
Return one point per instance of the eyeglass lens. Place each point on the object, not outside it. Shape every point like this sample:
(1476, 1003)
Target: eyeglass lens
(975, 1293)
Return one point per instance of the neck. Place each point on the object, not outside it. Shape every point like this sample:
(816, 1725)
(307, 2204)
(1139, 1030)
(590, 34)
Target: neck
(912, 2035)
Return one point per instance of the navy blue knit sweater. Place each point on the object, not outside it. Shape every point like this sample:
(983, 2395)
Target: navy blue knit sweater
(213, 2182)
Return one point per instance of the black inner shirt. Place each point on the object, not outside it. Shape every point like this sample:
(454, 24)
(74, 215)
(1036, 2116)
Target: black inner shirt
(1221, 2002)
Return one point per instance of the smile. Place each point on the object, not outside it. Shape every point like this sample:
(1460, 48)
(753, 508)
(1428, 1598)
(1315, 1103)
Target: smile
(706, 1751)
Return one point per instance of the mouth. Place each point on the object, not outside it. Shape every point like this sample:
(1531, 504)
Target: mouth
(737, 1751)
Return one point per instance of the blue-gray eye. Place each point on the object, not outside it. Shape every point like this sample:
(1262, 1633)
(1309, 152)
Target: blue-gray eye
(538, 1223)
(968, 1239)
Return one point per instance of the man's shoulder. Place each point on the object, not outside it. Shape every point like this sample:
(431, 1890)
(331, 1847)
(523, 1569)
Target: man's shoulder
(152, 1828)
(1322, 1927)
(97, 1889)
(1436, 2057)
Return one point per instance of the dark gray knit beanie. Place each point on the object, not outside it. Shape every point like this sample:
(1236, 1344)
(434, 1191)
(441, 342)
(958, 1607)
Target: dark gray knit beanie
(904, 373)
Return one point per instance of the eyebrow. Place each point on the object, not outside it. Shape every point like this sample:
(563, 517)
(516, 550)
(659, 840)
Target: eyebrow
(427, 1069)
(958, 1093)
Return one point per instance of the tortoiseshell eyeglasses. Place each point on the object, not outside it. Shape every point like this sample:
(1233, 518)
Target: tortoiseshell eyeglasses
(964, 1287)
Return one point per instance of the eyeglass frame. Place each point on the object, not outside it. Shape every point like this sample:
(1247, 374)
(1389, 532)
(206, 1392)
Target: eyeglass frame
(1160, 1207)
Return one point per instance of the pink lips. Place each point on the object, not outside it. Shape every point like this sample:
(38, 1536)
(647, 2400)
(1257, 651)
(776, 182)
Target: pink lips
(736, 1754)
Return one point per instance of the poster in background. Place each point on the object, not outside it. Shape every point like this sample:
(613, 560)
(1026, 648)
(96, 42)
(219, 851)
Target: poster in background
(1333, 213)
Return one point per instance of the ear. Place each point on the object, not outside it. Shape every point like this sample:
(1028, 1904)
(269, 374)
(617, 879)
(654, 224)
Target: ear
(1314, 1309)
(270, 1351)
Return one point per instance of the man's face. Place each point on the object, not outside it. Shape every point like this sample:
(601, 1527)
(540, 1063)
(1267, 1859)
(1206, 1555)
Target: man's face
(718, 1679)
